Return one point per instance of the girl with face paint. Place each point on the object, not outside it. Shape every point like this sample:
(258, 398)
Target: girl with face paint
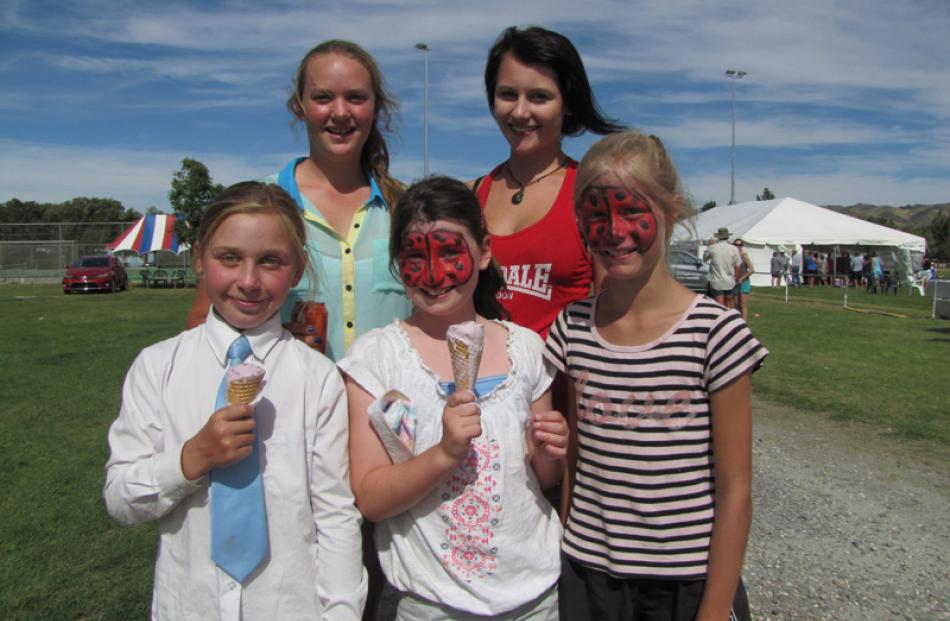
(461, 527)
(662, 386)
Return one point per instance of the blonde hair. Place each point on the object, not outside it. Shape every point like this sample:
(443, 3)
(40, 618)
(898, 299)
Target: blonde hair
(642, 159)
(374, 157)
(255, 197)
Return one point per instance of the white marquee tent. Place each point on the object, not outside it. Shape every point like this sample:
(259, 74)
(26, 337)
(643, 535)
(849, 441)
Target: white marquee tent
(788, 224)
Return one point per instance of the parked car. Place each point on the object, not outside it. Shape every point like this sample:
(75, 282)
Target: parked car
(101, 273)
(689, 270)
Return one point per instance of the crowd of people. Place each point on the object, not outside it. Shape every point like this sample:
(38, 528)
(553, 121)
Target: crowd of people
(597, 370)
(813, 268)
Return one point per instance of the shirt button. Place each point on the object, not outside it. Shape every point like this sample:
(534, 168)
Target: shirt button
(349, 287)
(347, 251)
(349, 324)
(356, 225)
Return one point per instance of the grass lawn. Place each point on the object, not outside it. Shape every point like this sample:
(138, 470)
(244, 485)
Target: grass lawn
(63, 359)
(883, 362)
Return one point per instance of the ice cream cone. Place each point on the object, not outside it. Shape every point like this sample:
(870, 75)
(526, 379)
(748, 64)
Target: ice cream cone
(466, 341)
(244, 382)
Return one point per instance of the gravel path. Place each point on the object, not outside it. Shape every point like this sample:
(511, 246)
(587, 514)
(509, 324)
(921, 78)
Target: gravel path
(847, 524)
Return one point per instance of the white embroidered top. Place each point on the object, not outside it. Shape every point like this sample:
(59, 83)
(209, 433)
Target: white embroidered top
(485, 540)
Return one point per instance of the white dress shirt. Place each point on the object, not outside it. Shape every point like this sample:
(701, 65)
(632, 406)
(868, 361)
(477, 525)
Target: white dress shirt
(314, 566)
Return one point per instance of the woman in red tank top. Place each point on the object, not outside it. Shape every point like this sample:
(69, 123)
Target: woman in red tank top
(538, 91)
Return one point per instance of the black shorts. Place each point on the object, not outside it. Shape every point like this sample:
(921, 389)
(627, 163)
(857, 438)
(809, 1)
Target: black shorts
(732, 292)
(586, 594)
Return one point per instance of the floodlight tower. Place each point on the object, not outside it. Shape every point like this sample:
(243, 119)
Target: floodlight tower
(734, 74)
(425, 106)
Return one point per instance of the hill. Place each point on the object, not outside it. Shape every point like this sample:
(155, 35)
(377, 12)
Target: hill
(907, 217)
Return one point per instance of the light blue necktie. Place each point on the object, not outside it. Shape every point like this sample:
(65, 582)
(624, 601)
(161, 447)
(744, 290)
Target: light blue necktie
(238, 520)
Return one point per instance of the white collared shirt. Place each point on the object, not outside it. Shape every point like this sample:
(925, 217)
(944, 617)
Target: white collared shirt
(314, 568)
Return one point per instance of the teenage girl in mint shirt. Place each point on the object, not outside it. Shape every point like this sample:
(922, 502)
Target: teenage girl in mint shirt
(344, 190)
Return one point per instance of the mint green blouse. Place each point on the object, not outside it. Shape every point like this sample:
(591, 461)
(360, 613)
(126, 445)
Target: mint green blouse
(353, 277)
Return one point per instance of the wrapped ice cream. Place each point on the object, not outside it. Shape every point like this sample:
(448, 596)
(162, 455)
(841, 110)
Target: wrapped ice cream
(466, 342)
(394, 419)
(244, 382)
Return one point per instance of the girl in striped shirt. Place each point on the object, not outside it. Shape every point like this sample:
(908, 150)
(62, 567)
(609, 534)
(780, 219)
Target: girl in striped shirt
(661, 503)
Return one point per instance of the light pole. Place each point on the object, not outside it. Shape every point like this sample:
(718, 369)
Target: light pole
(425, 107)
(735, 75)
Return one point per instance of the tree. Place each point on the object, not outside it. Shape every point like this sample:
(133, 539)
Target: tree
(191, 194)
(766, 195)
(938, 236)
(707, 206)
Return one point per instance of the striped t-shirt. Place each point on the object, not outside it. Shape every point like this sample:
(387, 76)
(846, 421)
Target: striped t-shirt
(642, 504)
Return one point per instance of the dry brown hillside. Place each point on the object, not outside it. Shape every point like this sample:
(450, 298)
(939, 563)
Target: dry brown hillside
(906, 217)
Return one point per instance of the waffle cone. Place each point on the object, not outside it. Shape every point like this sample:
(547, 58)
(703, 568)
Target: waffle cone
(243, 391)
(466, 358)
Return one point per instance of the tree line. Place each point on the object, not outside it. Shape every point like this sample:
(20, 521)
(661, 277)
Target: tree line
(192, 190)
(81, 210)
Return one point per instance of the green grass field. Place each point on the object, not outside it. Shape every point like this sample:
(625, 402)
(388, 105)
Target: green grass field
(63, 359)
(883, 362)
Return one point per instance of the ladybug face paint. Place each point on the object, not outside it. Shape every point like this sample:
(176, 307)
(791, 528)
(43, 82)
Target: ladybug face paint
(609, 215)
(436, 260)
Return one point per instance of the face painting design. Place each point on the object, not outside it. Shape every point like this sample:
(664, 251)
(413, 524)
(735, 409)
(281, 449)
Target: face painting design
(436, 260)
(610, 214)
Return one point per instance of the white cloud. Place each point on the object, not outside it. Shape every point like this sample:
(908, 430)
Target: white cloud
(138, 178)
(864, 78)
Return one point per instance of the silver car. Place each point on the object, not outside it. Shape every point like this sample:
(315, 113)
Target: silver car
(690, 271)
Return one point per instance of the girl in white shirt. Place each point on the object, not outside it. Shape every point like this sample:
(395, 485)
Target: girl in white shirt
(463, 529)
(168, 442)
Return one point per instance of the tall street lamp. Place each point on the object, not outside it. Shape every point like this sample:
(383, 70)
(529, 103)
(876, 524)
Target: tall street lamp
(735, 75)
(425, 114)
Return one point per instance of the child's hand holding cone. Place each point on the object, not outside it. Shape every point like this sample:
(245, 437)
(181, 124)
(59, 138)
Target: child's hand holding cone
(228, 436)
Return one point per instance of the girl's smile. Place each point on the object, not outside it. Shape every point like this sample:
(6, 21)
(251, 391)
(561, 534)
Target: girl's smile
(621, 228)
(248, 268)
(438, 263)
(528, 106)
(337, 105)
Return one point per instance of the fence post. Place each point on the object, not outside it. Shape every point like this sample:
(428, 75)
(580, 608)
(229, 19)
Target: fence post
(933, 310)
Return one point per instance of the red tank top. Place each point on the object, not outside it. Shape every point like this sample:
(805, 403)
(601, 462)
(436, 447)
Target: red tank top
(545, 265)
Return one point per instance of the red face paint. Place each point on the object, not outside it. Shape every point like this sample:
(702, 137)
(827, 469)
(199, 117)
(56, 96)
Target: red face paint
(436, 260)
(611, 214)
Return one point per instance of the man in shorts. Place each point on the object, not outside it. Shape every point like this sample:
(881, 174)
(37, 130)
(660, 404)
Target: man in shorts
(724, 263)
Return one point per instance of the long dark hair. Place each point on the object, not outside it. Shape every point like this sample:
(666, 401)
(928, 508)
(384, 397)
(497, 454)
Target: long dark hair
(374, 158)
(443, 198)
(538, 46)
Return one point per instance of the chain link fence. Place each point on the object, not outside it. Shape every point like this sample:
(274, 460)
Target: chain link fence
(40, 251)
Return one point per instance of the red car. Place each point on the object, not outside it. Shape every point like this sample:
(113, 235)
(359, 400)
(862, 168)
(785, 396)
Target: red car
(103, 273)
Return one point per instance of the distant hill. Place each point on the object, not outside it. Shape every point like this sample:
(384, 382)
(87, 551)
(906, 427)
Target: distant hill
(906, 218)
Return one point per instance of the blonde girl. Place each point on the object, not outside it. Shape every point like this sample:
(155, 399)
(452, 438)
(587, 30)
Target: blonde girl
(344, 191)
(172, 438)
(660, 507)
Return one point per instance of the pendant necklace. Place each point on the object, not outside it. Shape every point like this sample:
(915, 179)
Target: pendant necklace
(519, 195)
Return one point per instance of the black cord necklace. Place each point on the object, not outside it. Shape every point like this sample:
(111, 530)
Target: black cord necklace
(519, 195)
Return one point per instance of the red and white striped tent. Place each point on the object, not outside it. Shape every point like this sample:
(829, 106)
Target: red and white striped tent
(148, 234)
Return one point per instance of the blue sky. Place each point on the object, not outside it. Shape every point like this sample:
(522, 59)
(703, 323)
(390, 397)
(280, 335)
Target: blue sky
(844, 102)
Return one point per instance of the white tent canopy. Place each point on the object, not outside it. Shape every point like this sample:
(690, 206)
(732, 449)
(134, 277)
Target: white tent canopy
(788, 224)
